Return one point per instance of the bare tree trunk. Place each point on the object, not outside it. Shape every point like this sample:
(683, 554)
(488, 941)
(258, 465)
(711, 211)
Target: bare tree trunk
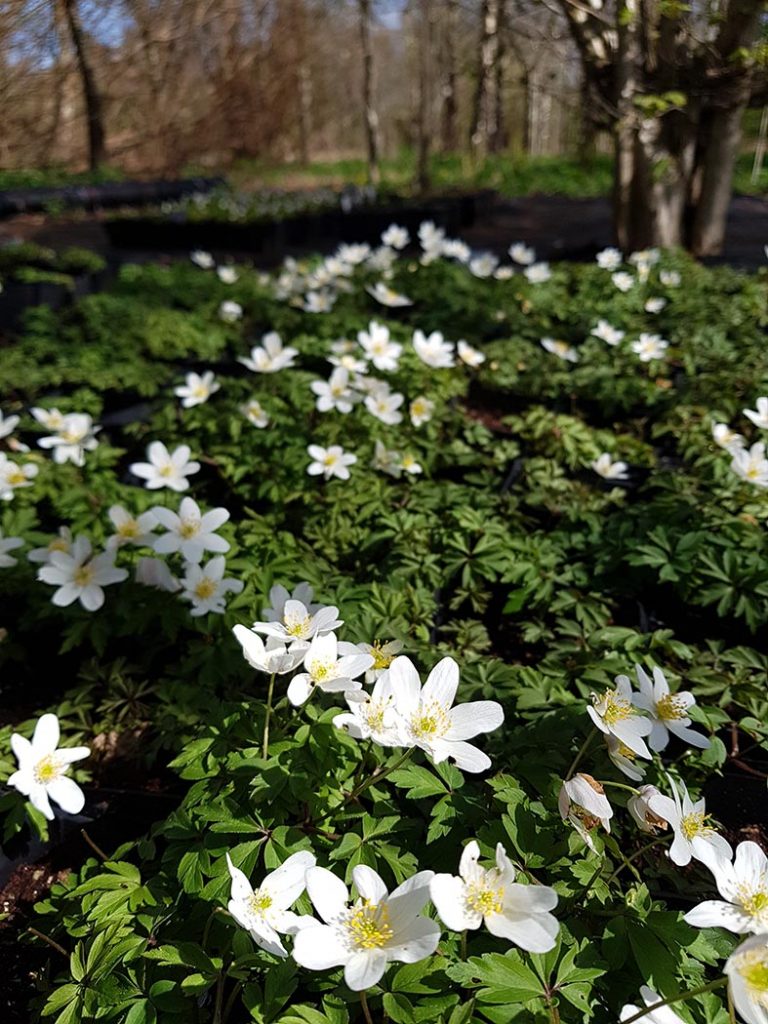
(423, 177)
(369, 109)
(483, 108)
(449, 138)
(93, 105)
(497, 135)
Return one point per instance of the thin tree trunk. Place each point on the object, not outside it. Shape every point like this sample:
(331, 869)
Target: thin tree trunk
(91, 95)
(497, 136)
(718, 165)
(423, 177)
(483, 108)
(369, 109)
(448, 129)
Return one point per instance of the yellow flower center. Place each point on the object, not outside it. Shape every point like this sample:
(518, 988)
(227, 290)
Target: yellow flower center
(329, 460)
(322, 670)
(694, 824)
(130, 528)
(47, 770)
(205, 588)
(83, 575)
(754, 901)
(670, 708)
(189, 528)
(431, 721)
(617, 708)
(368, 926)
(260, 901)
(753, 968)
(485, 899)
(16, 478)
(166, 470)
(58, 545)
(201, 391)
(381, 659)
(297, 627)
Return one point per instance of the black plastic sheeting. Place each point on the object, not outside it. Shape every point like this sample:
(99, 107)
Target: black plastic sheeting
(109, 194)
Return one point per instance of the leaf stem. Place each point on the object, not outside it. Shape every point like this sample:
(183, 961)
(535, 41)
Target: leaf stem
(464, 944)
(638, 853)
(96, 849)
(580, 754)
(49, 941)
(679, 998)
(377, 776)
(265, 739)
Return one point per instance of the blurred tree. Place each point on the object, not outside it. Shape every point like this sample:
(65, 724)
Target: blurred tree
(94, 111)
(671, 81)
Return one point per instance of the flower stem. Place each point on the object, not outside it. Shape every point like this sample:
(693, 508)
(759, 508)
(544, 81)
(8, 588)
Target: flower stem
(96, 849)
(580, 754)
(620, 785)
(637, 854)
(265, 740)
(679, 998)
(47, 939)
(377, 776)
(365, 1008)
(464, 944)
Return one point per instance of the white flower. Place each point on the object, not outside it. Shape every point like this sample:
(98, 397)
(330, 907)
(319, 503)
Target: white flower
(297, 619)
(509, 910)
(73, 439)
(388, 296)
(432, 724)
(669, 278)
(51, 419)
(538, 273)
(396, 237)
(327, 671)
(227, 275)
(644, 259)
(504, 273)
(81, 576)
(42, 772)
(484, 265)
(61, 542)
(379, 348)
(202, 259)
(639, 807)
(614, 713)
(349, 362)
(605, 467)
(387, 460)
(353, 253)
(206, 587)
(408, 464)
(130, 529)
(335, 393)
(624, 758)
(609, 259)
(8, 544)
(689, 823)
(561, 349)
(667, 711)
(271, 356)
(727, 438)
(264, 912)
(365, 937)
(382, 260)
(751, 464)
(254, 413)
(197, 389)
(383, 655)
(468, 355)
(272, 657)
(421, 410)
(522, 254)
(372, 716)
(664, 1015)
(433, 349)
(318, 302)
(153, 572)
(654, 305)
(454, 248)
(384, 405)
(743, 885)
(583, 802)
(650, 346)
(190, 532)
(166, 469)
(8, 424)
(623, 280)
(230, 311)
(431, 238)
(329, 462)
(759, 416)
(605, 332)
(14, 476)
(747, 971)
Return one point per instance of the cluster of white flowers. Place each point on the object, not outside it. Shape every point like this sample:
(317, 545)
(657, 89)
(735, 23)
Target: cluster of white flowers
(748, 463)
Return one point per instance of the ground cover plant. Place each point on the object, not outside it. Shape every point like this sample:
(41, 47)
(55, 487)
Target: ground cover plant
(401, 612)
